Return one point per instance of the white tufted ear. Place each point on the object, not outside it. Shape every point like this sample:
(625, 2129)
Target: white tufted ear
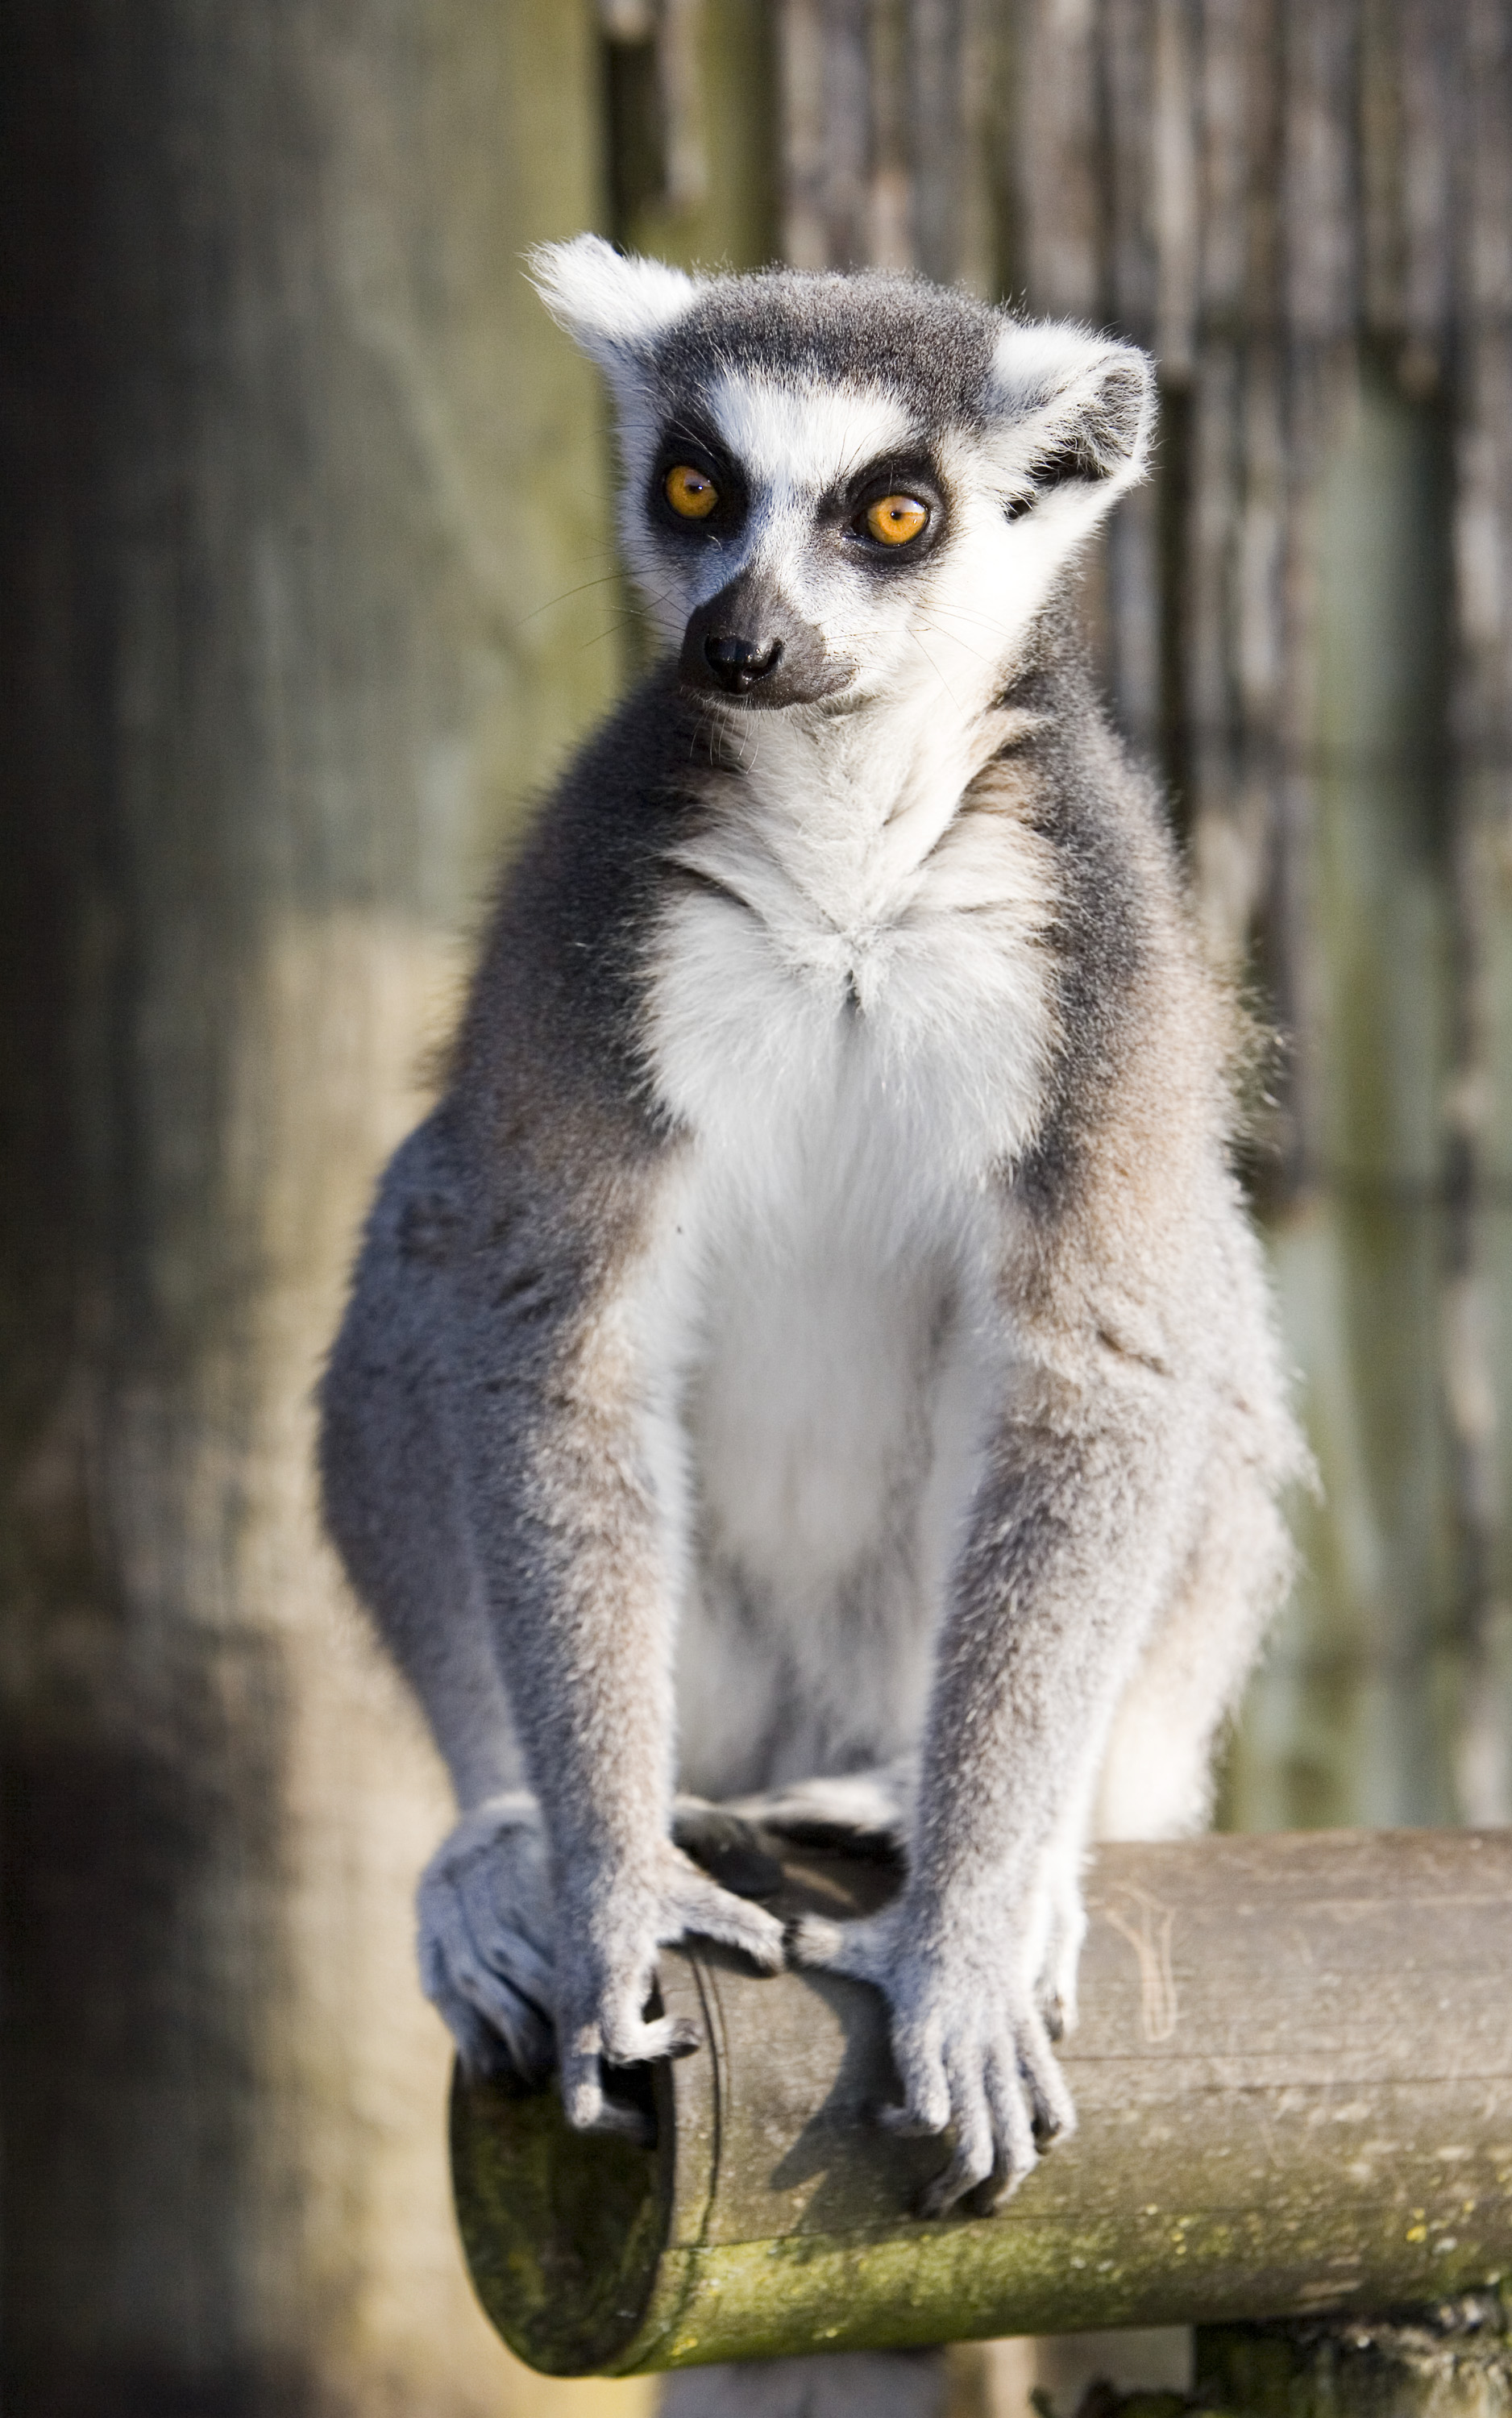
(613, 307)
(1074, 405)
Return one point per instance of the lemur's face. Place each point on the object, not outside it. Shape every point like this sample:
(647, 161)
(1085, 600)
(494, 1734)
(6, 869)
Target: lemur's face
(842, 488)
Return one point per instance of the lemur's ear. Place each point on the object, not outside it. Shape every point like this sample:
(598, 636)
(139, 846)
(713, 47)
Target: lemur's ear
(609, 305)
(1073, 407)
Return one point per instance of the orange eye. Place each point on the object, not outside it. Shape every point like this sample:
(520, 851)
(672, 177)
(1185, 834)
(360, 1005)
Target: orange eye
(690, 492)
(896, 519)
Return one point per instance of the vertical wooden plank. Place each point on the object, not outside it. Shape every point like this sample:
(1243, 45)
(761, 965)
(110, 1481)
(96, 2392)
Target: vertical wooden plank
(890, 237)
(1381, 199)
(935, 65)
(1429, 100)
(1226, 644)
(1133, 270)
(805, 240)
(976, 237)
(827, 138)
(1343, 1723)
(1173, 195)
(1059, 202)
(1477, 1333)
(300, 470)
(712, 73)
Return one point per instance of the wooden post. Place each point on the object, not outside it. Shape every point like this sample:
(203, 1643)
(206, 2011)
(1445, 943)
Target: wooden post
(296, 471)
(1449, 2361)
(1294, 2078)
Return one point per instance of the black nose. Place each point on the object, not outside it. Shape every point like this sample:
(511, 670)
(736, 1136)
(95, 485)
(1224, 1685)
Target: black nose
(738, 664)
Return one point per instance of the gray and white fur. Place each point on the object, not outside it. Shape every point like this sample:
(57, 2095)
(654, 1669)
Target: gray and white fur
(815, 1351)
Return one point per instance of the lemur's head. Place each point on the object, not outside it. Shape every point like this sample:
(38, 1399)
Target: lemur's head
(836, 485)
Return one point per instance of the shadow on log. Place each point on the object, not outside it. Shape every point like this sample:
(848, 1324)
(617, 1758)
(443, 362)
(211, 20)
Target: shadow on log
(1295, 2079)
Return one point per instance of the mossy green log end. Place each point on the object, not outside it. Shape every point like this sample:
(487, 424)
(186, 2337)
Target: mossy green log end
(1295, 2079)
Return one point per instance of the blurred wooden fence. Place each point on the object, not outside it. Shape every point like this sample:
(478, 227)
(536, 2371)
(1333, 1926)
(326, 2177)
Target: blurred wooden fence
(1303, 207)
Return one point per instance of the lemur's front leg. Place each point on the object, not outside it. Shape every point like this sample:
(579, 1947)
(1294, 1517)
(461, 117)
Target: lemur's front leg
(578, 1551)
(1075, 1533)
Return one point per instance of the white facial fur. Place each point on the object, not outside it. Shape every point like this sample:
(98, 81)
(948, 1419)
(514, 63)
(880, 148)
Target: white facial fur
(950, 626)
(946, 630)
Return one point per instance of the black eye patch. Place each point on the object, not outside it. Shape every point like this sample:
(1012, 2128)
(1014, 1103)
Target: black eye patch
(688, 443)
(910, 473)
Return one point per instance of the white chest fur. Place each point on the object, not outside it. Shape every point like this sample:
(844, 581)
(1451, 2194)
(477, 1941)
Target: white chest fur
(860, 962)
(850, 1018)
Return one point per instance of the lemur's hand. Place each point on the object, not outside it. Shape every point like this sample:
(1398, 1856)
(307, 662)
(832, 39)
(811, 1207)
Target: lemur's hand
(970, 2043)
(511, 1972)
(610, 1928)
(486, 1933)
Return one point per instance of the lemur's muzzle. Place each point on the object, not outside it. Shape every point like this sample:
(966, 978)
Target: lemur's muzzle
(748, 643)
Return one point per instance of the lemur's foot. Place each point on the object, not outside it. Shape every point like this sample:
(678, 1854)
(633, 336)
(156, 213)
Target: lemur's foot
(607, 1937)
(1055, 1991)
(970, 2044)
(485, 1932)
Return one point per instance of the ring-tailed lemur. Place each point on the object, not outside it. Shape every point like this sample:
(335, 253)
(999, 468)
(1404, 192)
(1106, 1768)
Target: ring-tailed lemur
(816, 1345)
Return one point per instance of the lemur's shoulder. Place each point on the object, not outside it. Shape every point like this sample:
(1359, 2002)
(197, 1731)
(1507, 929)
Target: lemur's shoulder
(553, 1002)
(1148, 1035)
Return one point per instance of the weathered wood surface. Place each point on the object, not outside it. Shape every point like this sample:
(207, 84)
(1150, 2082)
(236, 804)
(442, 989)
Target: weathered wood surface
(1294, 2078)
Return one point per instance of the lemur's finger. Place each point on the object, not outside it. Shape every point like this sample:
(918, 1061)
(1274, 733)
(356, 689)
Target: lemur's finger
(926, 2095)
(643, 2044)
(582, 2081)
(907, 2126)
(1013, 2128)
(972, 2160)
(994, 2139)
(811, 1940)
(703, 1906)
(496, 1928)
(1054, 2110)
(479, 2045)
(465, 1986)
(524, 2029)
(628, 2036)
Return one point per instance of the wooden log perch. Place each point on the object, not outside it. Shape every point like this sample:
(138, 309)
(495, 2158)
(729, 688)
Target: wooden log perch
(1295, 2079)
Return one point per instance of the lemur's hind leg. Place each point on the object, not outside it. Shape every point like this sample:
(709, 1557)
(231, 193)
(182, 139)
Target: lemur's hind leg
(1156, 1779)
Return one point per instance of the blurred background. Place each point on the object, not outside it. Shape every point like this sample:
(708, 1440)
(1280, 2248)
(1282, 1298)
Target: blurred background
(307, 588)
